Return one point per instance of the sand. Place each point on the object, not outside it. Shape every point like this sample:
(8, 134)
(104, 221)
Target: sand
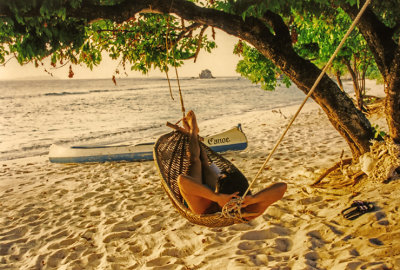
(116, 215)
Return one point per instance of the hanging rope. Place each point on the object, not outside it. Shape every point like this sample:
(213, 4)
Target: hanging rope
(174, 64)
(166, 60)
(177, 79)
(303, 103)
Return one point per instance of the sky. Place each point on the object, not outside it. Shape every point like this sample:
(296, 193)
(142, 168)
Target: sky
(221, 61)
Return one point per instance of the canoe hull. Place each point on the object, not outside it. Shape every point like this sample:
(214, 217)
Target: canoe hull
(230, 140)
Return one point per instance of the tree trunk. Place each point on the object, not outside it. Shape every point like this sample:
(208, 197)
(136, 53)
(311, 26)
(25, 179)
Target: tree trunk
(356, 87)
(360, 92)
(386, 53)
(363, 75)
(339, 80)
(392, 102)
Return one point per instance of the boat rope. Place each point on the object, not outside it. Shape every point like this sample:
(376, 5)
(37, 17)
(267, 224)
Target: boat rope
(305, 100)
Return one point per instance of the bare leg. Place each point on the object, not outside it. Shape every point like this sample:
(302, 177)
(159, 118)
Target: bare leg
(195, 170)
(200, 168)
(199, 197)
(209, 177)
(255, 205)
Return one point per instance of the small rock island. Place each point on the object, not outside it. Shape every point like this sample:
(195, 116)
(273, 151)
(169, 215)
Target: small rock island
(206, 74)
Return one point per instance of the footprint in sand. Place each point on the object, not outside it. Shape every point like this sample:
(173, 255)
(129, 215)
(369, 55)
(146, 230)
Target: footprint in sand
(143, 215)
(381, 218)
(63, 244)
(104, 199)
(281, 231)
(270, 233)
(283, 244)
(100, 189)
(353, 265)
(113, 207)
(311, 256)
(9, 248)
(125, 226)
(334, 229)
(64, 219)
(376, 242)
(14, 234)
(240, 227)
(95, 213)
(316, 239)
(88, 234)
(307, 201)
(161, 261)
(94, 260)
(117, 236)
(135, 248)
(55, 259)
(258, 235)
(176, 252)
(57, 234)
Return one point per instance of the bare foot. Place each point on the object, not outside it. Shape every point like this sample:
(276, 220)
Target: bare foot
(225, 198)
(248, 200)
(185, 125)
(192, 122)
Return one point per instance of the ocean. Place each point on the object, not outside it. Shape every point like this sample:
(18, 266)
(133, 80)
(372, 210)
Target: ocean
(35, 114)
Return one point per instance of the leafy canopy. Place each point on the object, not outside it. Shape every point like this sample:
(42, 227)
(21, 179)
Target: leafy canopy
(258, 69)
(141, 41)
(316, 29)
(319, 36)
(146, 41)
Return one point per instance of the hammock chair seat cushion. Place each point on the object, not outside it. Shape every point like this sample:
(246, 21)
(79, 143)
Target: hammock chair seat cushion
(171, 158)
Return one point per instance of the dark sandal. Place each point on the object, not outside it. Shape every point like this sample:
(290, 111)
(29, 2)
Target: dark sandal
(357, 209)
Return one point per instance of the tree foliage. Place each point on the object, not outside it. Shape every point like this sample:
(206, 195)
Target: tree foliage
(146, 41)
(259, 69)
(317, 39)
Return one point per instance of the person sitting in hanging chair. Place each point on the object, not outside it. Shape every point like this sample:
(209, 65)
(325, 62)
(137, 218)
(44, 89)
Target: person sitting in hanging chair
(199, 187)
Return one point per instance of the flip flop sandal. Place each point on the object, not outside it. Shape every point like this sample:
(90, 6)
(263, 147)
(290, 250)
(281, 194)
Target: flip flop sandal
(357, 209)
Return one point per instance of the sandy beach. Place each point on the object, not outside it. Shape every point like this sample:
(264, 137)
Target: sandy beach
(116, 215)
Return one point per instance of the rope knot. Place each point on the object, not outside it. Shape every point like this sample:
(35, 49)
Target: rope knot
(232, 209)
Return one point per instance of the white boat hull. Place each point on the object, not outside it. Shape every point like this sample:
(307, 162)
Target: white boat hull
(230, 140)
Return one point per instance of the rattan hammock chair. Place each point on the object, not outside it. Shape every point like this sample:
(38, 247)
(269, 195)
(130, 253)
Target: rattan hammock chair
(171, 158)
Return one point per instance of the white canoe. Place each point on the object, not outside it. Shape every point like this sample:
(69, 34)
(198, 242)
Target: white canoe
(233, 139)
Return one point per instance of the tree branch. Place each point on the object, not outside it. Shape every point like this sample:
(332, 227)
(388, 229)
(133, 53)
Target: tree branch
(8, 60)
(377, 35)
(281, 30)
(187, 30)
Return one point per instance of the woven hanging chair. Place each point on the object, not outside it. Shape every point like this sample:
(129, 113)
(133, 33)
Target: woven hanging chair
(171, 157)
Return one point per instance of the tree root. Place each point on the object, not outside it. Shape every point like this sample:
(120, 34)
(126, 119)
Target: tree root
(331, 169)
(357, 177)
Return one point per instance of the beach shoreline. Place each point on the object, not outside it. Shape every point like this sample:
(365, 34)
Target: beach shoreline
(115, 215)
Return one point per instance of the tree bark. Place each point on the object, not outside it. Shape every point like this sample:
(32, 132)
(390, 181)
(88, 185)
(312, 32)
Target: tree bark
(387, 57)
